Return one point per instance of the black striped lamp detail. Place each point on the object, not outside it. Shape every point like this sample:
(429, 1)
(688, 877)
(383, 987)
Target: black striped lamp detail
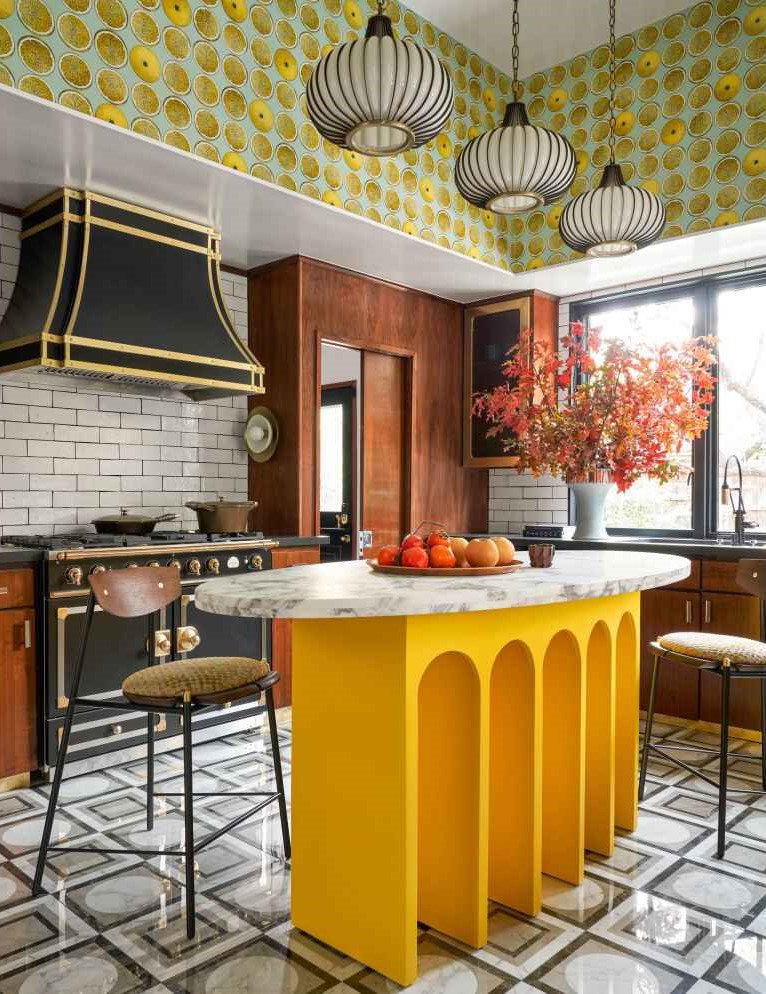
(614, 219)
(379, 95)
(515, 167)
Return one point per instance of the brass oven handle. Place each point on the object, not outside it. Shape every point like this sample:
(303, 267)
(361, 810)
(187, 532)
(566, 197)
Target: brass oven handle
(188, 638)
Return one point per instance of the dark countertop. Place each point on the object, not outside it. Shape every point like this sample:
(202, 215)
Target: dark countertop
(292, 541)
(13, 555)
(692, 548)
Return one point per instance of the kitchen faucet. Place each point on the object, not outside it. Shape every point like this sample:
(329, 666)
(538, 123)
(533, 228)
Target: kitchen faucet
(727, 497)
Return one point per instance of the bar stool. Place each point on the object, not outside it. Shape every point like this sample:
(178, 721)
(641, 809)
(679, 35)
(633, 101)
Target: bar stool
(732, 658)
(185, 687)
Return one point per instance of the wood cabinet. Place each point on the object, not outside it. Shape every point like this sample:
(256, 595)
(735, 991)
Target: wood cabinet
(709, 600)
(281, 629)
(664, 611)
(491, 329)
(18, 673)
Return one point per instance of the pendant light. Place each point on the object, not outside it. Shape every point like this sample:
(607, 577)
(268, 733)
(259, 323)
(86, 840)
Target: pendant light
(379, 95)
(517, 166)
(614, 219)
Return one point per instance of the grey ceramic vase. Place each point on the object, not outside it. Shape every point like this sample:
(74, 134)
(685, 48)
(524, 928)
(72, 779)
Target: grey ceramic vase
(589, 510)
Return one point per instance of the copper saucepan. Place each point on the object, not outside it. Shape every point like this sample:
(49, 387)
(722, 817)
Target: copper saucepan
(222, 516)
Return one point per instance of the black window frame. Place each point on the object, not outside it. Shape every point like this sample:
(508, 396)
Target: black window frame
(704, 292)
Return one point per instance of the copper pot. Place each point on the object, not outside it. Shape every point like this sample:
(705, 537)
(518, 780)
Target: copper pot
(223, 515)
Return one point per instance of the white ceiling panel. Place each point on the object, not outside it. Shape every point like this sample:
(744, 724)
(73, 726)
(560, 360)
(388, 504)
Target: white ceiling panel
(552, 31)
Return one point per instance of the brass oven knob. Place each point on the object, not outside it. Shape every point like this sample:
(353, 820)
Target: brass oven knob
(73, 575)
(132, 566)
(194, 566)
(256, 562)
(162, 643)
(213, 566)
(175, 562)
(97, 569)
(188, 638)
(153, 563)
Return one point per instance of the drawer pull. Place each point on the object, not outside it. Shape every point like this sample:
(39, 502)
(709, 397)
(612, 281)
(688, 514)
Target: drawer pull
(3, 591)
(688, 612)
(27, 634)
(708, 611)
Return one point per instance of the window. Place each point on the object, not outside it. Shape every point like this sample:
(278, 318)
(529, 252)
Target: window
(741, 328)
(734, 310)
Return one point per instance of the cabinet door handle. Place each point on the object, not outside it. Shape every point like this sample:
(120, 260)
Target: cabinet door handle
(708, 611)
(688, 612)
(27, 634)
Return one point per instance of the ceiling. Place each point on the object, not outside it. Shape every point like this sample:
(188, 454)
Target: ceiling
(551, 31)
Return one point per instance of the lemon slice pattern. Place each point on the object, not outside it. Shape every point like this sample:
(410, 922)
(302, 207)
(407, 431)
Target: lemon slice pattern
(225, 80)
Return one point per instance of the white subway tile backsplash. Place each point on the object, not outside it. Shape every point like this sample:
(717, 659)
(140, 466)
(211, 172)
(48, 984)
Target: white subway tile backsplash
(130, 405)
(80, 453)
(98, 482)
(76, 433)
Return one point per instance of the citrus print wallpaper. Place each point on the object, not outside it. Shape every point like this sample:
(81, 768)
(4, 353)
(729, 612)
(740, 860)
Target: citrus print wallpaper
(225, 79)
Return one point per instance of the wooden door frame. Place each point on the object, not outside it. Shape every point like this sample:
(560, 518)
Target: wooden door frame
(355, 495)
(410, 398)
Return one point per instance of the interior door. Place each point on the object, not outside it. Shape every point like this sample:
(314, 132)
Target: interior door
(337, 431)
(384, 448)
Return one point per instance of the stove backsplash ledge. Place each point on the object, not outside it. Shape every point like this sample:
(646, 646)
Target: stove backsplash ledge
(72, 452)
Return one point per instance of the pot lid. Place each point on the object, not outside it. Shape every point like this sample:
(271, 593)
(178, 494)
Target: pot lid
(221, 504)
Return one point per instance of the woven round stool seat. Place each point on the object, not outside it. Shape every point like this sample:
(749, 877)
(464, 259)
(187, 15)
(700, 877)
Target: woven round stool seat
(709, 648)
(205, 678)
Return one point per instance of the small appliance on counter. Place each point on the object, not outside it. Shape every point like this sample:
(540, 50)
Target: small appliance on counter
(68, 561)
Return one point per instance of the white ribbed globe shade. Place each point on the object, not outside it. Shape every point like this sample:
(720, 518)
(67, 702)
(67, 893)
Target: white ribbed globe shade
(515, 167)
(379, 95)
(614, 219)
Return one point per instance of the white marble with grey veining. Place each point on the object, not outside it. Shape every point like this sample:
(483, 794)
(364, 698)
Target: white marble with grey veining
(353, 590)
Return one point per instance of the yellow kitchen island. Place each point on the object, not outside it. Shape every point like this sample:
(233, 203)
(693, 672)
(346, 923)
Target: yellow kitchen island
(453, 738)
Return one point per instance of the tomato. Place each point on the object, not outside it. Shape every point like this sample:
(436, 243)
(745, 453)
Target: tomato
(389, 555)
(415, 557)
(412, 542)
(437, 538)
(442, 557)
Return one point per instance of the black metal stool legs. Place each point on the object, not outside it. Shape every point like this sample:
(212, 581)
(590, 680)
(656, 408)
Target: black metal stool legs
(648, 726)
(188, 817)
(282, 800)
(150, 771)
(724, 766)
(53, 800)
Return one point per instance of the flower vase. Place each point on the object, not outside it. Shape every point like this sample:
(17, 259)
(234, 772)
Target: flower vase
(590, 498)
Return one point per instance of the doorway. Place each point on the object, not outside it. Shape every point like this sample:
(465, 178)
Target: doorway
(364, 450)
(337, 472)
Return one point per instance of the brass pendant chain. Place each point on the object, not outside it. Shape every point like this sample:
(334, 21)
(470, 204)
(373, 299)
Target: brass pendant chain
(612, 81)
(515, 50)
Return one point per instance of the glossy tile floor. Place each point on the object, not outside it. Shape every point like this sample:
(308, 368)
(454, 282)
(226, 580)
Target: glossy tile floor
(661, 916)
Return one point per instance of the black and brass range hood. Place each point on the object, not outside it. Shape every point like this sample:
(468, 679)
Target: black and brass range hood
(110, 291)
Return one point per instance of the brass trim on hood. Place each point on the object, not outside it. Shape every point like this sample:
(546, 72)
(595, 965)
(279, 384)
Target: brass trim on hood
(80, 281)
(152, 374)
(62, 216)
(102, 222)
(99, 343)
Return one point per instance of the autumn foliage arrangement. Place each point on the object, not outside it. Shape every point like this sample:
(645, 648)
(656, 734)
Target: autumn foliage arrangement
(620, 418)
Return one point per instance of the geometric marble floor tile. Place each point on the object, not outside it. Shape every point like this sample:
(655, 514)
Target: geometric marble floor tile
(661, 915)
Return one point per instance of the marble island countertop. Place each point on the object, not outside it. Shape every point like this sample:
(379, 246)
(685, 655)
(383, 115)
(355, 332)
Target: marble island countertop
(353, 590)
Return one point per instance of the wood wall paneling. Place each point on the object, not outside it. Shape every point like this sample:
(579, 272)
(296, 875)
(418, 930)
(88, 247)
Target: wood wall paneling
(297, 304)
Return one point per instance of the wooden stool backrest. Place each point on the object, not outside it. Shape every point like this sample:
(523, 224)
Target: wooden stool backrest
(751, 576)
(132, 593)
